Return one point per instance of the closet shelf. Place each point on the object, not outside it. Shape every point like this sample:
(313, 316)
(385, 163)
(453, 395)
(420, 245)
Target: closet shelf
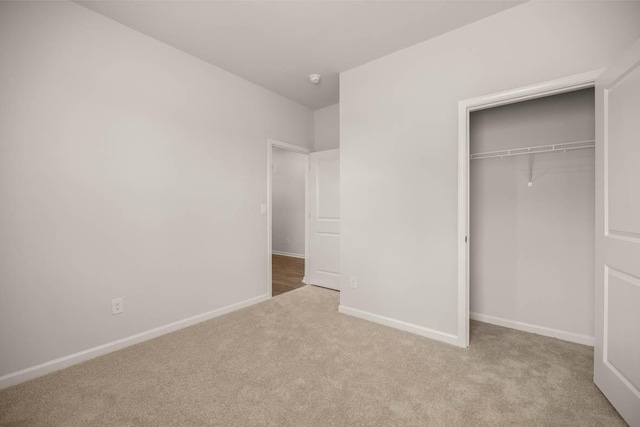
(566, 146)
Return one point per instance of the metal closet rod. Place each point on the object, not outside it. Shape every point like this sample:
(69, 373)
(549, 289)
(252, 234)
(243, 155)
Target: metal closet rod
(565, 146)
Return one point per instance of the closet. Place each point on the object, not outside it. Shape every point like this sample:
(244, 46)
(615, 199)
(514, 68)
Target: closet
(532, 215)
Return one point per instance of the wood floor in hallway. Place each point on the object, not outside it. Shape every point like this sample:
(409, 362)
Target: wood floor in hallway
(287, 273)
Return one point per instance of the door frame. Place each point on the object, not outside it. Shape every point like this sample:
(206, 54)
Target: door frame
(271, 143)
(465, 107)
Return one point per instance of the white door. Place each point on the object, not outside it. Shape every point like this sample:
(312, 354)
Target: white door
(323, 267)
(617, 293)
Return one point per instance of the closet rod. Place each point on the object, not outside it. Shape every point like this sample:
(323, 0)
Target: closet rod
(566, 146)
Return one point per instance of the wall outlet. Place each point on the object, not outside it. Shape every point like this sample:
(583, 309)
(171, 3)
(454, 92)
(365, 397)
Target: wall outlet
(288, 241)
(117, 306)
(353, 282)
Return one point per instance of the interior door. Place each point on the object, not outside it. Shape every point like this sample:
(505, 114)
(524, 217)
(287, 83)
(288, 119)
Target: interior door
(617, 293)
(323, 267)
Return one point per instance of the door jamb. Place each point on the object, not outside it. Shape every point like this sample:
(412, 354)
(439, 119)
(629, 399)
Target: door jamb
(465, 107)
(271, 143)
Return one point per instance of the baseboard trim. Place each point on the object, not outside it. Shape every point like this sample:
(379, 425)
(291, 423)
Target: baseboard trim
(399, 324)
(75, 358)
(291, 254)
(540, 330)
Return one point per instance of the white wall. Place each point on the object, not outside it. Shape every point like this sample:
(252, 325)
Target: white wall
(327, 128)
(398, 142)
(127, 169)
(288, 198)
(532, 248)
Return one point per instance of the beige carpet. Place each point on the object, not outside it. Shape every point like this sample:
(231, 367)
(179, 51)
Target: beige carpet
(295, 361)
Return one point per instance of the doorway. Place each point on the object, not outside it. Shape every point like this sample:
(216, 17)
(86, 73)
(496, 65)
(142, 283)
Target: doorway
(617, 246)
(532, 216)
(288, 265)
(568, 84)
(288, 167)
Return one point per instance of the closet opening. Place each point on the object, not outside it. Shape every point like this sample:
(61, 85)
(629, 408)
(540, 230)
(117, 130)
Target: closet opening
(526, 218)
(531, 216)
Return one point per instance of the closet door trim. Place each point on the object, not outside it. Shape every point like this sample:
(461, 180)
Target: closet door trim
(465, 107)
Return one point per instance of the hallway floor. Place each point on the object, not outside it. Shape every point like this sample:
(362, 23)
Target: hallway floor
(287, 273)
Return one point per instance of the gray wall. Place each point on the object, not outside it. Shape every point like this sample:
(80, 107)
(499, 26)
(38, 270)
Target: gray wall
(288, 201)
(327, 128)
(532, 248)
(399, 147)
(127, 169)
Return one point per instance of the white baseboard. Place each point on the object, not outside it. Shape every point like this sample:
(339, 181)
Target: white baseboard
(403, 326)
(288, 254)
(540, 330)
(72, 359)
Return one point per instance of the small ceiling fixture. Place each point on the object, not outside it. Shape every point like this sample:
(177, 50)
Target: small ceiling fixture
(314, 78)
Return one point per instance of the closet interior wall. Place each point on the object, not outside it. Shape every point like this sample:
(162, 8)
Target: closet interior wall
(532, 247)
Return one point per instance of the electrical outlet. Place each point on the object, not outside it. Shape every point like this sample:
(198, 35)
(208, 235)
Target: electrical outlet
(117, 306)
(288, 241)
(353, 282)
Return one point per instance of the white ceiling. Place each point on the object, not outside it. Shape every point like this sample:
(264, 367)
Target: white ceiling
(277, 44)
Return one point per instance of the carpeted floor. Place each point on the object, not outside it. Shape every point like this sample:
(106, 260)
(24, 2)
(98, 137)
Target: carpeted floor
(295, 361)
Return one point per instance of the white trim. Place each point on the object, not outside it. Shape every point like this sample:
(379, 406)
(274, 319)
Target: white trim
(289, 254)
(307, 216)
(554, 87)
(81, 356)
(287, 146)
(297, 149)
(534, 329)
(398, 324)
